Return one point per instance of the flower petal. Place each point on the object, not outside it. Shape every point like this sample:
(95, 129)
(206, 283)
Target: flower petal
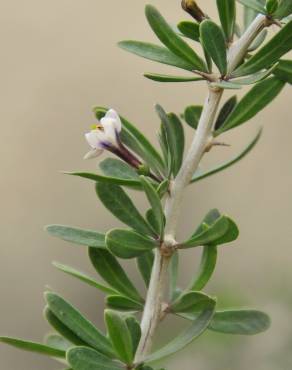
(93, 153)
(95, 138)
(111, 113)
(110, 131)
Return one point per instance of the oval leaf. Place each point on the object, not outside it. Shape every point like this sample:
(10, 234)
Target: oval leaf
(145, 263)
(83, 358)
(119, 335)
(192, 115)
(191, 302)
(253, 102)
(171, 40)
(77, 236)
(283, 71)
(227, 14)
(120, 303)
(128, 244)
(190, 30)
(166, 78)
(120, 205)
(77, 323)
(112, 272)
(213, 41)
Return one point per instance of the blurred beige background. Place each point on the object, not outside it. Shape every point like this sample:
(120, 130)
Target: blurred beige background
(58, 59)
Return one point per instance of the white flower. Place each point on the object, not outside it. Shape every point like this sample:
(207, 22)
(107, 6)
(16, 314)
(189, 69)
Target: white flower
(104, 135)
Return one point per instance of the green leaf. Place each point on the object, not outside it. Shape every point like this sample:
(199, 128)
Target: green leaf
(83, 277)
(145, 263)
(121, 303)
(77, 323)
(116, 168)
(249, 16)
(175, 137)
(83, 358)
(240, 322)
(225, 111)
(120, 205)
(33, 347)
(191, 302)
(227, 14)
(256, 5)
(269, 54)
(253, 102)
(77, 236)
(186, 337)
(199, 175)
(258, 40)
(105, 179)
(62, 329)
(171, 40)
(156, 53)
(243, 322)
(230, 235)
(284, 9)
(163, 188)
(190, 30)
(210, 235)
(226, 85)
(271, 6)
(128, 244)
(192, 115)
(58, 342)
(207, 267)
(256, 77)
(112, 272)
(135, 331)
(119, 335)
(155, 203)
(136, 141)
(284, 71)
(166, 78)
(213, 41)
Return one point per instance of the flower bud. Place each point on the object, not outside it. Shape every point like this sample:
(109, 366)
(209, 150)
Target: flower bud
(191, 7)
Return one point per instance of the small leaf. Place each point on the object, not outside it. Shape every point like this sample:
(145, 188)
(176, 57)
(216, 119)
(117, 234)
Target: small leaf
(163, 188)
(166, 78)
(119, 335)
(230, 235)
(136, 141)
(112, 272)
(33, 347)
(171, 40)
(213, 41)
(77, 236)
(284, 71)
(256, 5)
(175, 137)
(249, 16)
(253, 102)
(105, 179)
(271, 6)
(191, 302)
(256, 77)
(120, 303)
(240, 322)
(155, 203)
(207, 267)
(145, 263)
(227, 14)
(226, 85)
(84, 358)
(116, 168)
(213, 232)
(186, 337)
(83, 277)
(225, 111)
(120, 205)
(257, 42)
(156, 53)
(62, 329)
(243, 322)
(190, 30)
(135, 331)
(269, 54)
(77, 323)
(199, 175)
(57, 341)
(192, 115)
(284, 9)
(128, 244)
